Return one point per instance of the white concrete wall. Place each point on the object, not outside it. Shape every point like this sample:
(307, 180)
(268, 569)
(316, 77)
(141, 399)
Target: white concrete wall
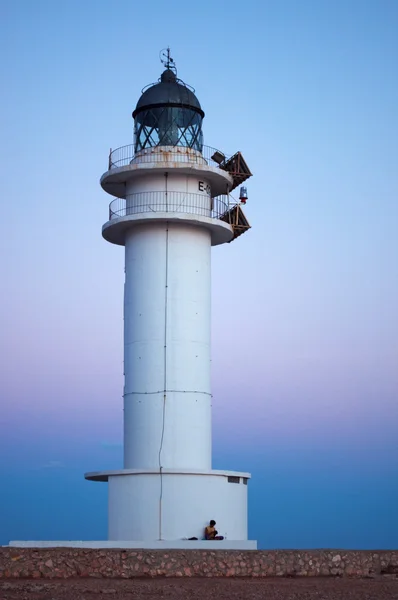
(187, 503)
(185, 193)
(167, 347)
(174, 181)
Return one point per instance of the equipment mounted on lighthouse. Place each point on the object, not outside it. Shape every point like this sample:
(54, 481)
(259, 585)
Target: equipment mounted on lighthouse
(243, 194)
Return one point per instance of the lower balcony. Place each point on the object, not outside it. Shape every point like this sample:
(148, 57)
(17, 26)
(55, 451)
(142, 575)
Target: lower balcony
(173, 202)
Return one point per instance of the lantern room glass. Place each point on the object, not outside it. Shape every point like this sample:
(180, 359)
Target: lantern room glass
(168, 126)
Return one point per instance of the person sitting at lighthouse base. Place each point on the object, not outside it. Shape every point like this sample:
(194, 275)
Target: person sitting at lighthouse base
(211, 532)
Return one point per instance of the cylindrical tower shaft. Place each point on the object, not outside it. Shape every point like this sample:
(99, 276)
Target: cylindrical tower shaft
(167, 396)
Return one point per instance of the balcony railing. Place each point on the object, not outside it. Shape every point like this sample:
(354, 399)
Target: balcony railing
(125, 155)
(181, 202)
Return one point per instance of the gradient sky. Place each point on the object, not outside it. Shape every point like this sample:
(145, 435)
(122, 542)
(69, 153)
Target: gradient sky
(305, 306)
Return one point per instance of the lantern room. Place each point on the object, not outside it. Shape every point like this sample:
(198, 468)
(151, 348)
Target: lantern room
(168, 114)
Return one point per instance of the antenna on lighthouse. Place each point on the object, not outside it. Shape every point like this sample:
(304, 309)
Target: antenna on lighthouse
(166, 60)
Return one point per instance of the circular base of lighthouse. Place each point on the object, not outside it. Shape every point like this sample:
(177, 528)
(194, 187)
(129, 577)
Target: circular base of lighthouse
(114, 231)
(175, 504)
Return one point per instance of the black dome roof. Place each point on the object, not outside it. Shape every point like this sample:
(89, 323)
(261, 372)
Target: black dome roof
(169, 91)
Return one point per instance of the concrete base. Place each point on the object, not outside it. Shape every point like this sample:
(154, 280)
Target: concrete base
(157, 545)
(146, 505)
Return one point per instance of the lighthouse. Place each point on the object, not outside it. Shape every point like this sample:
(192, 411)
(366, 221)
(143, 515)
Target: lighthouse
(172, 202)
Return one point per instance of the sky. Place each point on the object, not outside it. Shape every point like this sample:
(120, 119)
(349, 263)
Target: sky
(305, 383)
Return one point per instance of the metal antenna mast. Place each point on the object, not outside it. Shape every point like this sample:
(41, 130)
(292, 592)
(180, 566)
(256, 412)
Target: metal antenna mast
(166, 60)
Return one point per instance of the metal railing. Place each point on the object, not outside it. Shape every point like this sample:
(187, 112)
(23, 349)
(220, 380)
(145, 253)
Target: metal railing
(181, 202)
(125, 155)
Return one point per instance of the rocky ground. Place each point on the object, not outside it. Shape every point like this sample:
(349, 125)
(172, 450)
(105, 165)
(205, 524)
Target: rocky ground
(383, 588)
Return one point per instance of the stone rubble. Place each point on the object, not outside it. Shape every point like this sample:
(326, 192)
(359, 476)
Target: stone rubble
(66, 563)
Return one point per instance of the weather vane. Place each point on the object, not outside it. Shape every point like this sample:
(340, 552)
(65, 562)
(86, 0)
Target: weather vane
(166, 59)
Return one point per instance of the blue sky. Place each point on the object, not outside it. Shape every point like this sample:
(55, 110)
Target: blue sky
(306, 397)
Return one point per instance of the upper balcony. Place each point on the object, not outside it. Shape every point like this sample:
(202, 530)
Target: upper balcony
(125, 155)
(224, 173)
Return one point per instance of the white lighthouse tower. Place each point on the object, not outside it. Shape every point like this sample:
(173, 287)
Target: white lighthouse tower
(171, 204)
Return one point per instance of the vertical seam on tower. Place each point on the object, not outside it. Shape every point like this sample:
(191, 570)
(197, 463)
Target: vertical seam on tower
(164, 367)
